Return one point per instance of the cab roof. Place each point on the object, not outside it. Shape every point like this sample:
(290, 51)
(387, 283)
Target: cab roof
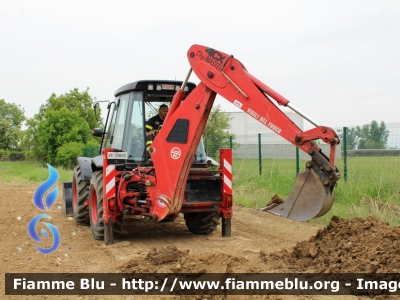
(143, 85)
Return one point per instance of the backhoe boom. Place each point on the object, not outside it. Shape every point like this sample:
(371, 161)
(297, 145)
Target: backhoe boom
(222, 74)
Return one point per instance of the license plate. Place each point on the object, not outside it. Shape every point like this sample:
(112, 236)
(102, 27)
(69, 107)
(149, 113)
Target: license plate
(117, 155)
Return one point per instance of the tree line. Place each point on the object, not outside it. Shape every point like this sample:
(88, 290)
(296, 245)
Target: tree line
(368, 136)
(61, 129)
(58, 133)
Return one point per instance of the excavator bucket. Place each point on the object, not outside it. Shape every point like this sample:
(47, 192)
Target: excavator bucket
(309, 199)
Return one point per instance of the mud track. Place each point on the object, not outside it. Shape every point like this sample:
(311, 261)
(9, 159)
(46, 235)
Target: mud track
(260, 242)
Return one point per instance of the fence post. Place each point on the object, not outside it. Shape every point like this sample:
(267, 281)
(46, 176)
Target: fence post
(259, 154)
(345, 153)
(297, 161)
(230, 141)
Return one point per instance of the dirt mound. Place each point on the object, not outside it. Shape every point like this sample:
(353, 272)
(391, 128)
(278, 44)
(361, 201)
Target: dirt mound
(275, 199)
(165, 254)
(358, 245)
(169, 259)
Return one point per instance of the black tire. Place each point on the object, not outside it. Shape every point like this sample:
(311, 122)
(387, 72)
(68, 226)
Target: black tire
(80, 193)
(96, 208)
(202, 222)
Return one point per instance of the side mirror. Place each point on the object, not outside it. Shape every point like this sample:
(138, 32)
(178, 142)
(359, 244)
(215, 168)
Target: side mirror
(97, 132)
(96, 108)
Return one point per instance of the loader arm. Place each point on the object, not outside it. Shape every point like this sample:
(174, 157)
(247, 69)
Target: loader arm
(222, 74)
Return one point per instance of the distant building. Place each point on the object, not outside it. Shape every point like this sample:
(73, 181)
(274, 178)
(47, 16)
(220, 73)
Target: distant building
(247, 129)
(394, 135)
(244, 124)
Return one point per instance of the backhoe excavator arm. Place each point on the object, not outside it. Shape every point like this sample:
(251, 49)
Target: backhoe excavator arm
(228, 77)
(222, 74)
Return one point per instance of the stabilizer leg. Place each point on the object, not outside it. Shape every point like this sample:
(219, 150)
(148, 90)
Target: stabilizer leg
(108, 234)
(226, 227)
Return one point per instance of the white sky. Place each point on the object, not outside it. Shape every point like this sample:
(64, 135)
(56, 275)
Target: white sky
(336, 61)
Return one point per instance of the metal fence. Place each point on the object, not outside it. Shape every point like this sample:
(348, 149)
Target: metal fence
(265, 165)
(269, 146)
(91, 151)
(269, 149)
(369, 175)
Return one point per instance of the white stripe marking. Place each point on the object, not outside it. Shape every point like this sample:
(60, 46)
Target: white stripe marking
(227, 166)
(109, 169)
(110, 185)
(228, 182)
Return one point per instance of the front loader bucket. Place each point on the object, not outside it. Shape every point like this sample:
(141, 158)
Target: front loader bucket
(309, 199)
(66, 205)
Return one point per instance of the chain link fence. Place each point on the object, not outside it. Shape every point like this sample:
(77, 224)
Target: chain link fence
(261, 149)
(371, 175)
(371, 172)
(91, 151)
(269, 148)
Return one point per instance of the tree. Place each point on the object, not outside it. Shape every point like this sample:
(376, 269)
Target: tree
(216, 133)
(80, 102)
(59, 128)
(11, 118)
(30, 139)
(62, 124)
(67, 154)
(372, 136)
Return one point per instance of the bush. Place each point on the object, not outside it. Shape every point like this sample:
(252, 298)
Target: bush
(67, 154)
(17, 156)
(373, 152)
(4, 155)
(8, 155)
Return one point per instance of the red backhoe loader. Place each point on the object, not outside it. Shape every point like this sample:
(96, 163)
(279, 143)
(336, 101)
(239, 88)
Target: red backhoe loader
(176, 176)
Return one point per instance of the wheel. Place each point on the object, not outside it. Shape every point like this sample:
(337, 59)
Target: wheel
(202, 222)
(80, 193)
(96, 208)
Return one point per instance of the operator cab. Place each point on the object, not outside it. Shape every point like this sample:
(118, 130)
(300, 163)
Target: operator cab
(134, 104)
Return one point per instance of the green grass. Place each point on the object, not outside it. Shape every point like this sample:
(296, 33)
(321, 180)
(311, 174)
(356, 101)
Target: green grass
(28, 172)
(252, 190)
(372, 186)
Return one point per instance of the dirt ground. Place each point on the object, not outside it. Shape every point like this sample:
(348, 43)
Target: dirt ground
(260, 242)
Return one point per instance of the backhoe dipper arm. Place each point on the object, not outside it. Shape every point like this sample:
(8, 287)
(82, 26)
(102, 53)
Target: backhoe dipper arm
(229, 78)
(313, 193)
(224, 75)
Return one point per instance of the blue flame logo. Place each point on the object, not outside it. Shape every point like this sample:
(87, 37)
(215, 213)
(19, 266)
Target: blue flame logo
(32, 231)
(44, 187)
(50, 199)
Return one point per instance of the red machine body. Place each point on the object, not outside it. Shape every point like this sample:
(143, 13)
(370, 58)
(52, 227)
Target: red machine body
(161, 190)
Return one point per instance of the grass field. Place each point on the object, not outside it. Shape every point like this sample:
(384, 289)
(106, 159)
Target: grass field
(27, 172)
(372, 186)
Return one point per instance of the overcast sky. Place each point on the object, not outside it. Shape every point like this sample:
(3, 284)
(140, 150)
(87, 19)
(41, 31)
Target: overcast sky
(336, 61)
